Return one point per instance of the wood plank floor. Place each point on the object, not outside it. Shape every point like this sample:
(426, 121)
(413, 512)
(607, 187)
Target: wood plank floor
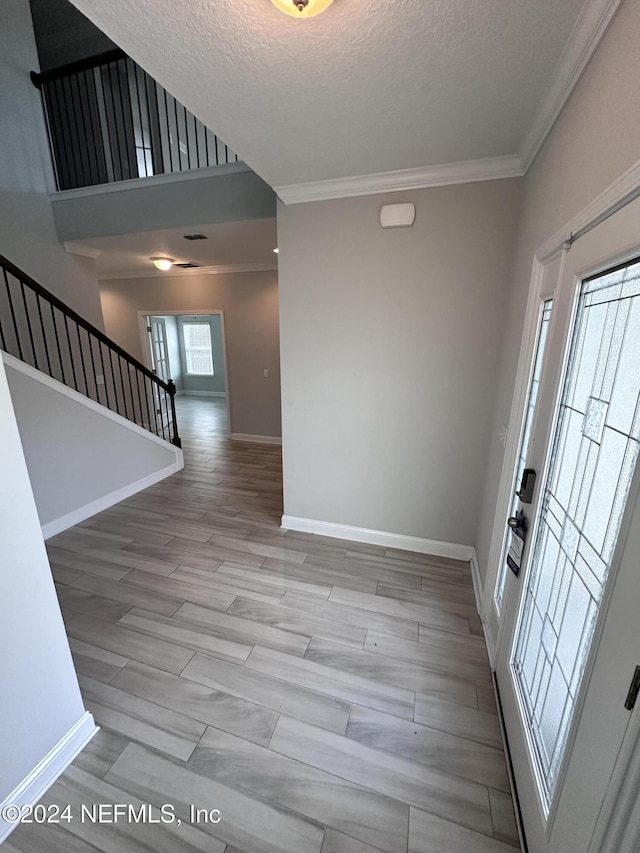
(325, 696)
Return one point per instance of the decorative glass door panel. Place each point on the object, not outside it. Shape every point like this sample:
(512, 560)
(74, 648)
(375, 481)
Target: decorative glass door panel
(595, 447)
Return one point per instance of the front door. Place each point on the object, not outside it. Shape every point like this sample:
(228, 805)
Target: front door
(569, 639)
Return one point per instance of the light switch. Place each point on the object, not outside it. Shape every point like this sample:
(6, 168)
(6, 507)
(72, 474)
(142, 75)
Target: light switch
(265, 373)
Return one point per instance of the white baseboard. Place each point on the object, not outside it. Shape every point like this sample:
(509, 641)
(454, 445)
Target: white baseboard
(52, 528)
(379, 537)
(256, 439)
(203, 394)
(44, 774)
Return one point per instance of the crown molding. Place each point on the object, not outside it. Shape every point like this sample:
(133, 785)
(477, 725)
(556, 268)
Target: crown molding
(591, 25)
(80, 249)
(216, 269)
(463, 172)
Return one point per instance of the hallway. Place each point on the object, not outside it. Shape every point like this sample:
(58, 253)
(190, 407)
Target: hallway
(325, 696)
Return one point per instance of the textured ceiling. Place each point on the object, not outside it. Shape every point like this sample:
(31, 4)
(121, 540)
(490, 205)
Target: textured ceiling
(368, 86)
(232, 243)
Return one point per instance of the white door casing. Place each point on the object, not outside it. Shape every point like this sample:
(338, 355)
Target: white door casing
(583, 778)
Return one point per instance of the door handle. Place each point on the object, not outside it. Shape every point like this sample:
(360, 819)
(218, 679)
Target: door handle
(527, 485)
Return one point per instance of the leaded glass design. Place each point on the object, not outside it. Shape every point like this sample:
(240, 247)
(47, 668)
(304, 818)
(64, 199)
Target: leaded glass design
(595, 447)
(543, 330)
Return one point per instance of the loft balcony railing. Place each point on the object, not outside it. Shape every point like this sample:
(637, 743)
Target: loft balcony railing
(109, 121)
(40, 330)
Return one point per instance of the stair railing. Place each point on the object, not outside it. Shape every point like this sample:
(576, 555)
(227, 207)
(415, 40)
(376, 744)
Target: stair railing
(109, 121)
(39, 329)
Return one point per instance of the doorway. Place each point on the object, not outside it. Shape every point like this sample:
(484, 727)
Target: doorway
(567, 586)
(191, 348)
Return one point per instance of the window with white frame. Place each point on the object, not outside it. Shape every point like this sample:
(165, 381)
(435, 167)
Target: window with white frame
(197, 349)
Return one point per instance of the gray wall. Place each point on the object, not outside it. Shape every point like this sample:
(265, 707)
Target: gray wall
(60, 436)
(250, 305)
(390, 344)
(27, 233)
(233, 193)
(593, 142)
(40, 697)
(215, 383)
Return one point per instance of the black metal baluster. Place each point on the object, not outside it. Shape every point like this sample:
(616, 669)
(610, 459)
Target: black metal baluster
(104, 376)
(163, 408)
(110, 135)
(226, 153)
(78, 137)
(124, 395)
(113, 376)
(94, 165)
(3, 341)
(154, 405)
(82, 364)
(68, 136)
(144, 150)
(195, 130)
(215, 139)
(174, 420)
(206, 145)
(28, 318)
(85, 136)
(93, 366)
(13, 314)
(73, 366)
(175, 110)
(146, 397)
(44, 334)
(115, 123)
(124, 117)
(186, 138)
(155, 127)
(55, 329)
(139, 395)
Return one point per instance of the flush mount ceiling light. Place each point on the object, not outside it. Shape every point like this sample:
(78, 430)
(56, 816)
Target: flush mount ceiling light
(163, 264)
(302, 8)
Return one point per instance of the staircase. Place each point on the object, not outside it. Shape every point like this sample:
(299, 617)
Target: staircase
(40, 330)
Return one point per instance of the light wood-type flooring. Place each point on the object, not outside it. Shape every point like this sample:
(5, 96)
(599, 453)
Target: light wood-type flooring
(325, 696)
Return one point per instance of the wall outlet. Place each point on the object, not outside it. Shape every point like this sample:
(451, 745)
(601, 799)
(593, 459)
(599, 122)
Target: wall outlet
(99, 379)
(265, 373)
(183, 148)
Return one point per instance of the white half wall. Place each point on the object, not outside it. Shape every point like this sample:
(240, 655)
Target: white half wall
(81, 457)
(43, 722)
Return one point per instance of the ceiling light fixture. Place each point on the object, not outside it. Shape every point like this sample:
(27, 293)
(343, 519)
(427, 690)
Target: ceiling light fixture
(275, 251)
(163, 264)
(302, 8)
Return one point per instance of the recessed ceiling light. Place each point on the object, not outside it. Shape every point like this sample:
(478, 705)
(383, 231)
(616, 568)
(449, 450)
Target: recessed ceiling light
(276, 251)
(163, 264)
(302, 8)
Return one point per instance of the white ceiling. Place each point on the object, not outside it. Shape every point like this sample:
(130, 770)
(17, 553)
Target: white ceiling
(231, 245)
(369, 86)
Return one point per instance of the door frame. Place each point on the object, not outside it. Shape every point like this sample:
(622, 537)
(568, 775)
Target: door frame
(161, 312)
(617, 195)
(627, 769)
